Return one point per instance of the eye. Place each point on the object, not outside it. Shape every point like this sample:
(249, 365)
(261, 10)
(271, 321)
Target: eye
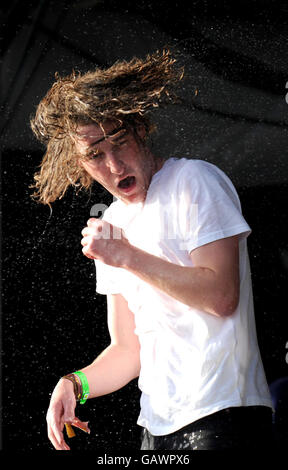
(94, 155)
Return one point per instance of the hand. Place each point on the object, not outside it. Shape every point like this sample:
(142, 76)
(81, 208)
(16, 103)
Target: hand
(61, 410)
(105, 242)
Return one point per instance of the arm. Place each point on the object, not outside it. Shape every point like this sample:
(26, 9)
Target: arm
(117, 365)
(211, 284)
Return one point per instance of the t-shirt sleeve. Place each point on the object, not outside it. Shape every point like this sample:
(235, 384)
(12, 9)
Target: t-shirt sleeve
(209, 207)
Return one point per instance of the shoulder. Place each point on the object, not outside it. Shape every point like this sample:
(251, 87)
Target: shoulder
(195, 173)
(188, 167)
(201, 169)
(199, 181)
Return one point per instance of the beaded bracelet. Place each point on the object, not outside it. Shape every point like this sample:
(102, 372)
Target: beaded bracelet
(80, 385)
(77, 385)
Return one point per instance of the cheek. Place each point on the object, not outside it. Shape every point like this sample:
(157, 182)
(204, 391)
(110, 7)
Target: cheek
(91, 168)
(98, 173)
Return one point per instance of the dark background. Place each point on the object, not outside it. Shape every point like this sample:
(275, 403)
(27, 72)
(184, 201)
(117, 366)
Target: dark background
(234, 114)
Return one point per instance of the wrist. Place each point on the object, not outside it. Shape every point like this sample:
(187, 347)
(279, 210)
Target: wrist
(80, 385)
(129, 256)
(136, 260)
(76, 383)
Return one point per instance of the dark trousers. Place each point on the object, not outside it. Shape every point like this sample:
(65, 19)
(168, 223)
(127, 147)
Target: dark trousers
(236, 428)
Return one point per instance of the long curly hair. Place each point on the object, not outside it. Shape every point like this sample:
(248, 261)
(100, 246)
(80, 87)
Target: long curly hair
(126, 92)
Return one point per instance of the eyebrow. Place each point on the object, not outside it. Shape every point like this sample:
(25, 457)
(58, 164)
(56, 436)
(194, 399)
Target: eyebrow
(114, 133)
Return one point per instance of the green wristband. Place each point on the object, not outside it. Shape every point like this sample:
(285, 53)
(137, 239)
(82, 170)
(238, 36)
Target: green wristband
(85, 386)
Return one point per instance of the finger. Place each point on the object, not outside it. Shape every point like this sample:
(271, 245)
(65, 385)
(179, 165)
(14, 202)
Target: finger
(55, 430)
(85, 241)
(58, 442)
(86, 252)
(92, 221)
(88, 240)
(84, 231)
(95, 230)
(89, 230)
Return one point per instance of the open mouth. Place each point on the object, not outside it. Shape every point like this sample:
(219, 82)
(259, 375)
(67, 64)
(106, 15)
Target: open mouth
(127, 183)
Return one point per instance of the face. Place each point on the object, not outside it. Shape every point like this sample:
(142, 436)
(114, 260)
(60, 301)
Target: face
(117, 159)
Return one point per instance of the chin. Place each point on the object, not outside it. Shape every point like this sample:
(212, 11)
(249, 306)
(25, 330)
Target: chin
(134, 198)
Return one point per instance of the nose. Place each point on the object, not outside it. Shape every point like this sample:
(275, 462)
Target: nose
(114, 163)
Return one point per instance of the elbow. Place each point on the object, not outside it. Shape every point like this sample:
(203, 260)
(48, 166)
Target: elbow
(136, 363)
(226, 305)
(227, 310)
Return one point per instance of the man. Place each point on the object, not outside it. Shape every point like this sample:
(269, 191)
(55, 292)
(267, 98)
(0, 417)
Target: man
(170, 255)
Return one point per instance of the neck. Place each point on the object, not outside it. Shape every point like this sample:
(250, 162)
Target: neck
(158, 163)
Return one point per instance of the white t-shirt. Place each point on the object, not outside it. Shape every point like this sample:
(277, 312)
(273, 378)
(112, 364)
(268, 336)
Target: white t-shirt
(192, 363)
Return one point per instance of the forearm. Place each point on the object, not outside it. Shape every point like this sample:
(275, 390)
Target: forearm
(198, 287)
(112, 369)
(211, 284)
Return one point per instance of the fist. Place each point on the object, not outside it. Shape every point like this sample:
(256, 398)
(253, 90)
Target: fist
(105, 242)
